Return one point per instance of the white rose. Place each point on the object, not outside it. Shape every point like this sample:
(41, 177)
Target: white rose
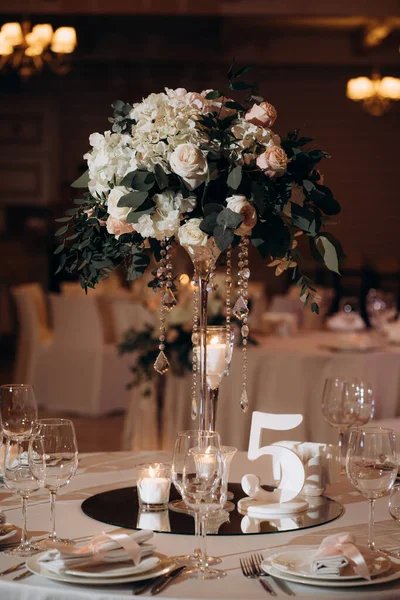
(190, 234)
(240, 205)
(112, 203)
(188, 161)
(145, 226)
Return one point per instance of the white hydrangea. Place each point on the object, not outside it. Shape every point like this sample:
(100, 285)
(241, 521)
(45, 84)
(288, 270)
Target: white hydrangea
(249, 135)
(163, 122)
(110, 159)
(145, 226)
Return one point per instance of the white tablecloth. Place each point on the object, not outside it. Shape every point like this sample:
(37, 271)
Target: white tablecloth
(99, 472)
(287, 375)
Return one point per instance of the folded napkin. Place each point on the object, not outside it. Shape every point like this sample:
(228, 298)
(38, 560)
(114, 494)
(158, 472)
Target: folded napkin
(103, 548)
(337, 551)
(346, 322)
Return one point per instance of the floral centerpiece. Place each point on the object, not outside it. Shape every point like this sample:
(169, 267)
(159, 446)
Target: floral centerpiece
(208, 172)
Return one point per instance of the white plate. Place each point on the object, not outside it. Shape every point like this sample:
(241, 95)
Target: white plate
(8, 535)
(392, 575)
(32, 564)
(299, 563)
(107, 570)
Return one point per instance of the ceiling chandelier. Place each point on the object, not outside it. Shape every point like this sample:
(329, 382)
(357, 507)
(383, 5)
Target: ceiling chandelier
(377, 94)
(29, 50)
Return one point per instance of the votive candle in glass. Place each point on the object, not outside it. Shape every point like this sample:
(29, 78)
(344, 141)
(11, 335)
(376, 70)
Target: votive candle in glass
(153, 486)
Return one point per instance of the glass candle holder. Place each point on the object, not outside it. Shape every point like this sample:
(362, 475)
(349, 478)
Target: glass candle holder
(156, 521)
(153, 486)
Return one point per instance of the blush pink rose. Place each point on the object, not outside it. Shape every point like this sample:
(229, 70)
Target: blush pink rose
(273, 161)
(263, 114)
(117, 227)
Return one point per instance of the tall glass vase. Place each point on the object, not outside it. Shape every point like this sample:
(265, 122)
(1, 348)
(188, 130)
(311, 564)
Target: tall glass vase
(204, 259)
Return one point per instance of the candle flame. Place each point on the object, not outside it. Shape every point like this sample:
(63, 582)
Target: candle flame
(214, 340)
(184, 279)
(154, 472)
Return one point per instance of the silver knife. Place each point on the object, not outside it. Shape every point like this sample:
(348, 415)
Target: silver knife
(159, 587)
(153, 582)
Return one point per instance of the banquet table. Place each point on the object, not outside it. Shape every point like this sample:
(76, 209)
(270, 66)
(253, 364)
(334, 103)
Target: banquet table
(105, 471)
(286, 375)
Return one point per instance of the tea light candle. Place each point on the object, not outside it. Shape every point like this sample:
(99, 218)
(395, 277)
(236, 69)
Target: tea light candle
(206, 462)
(153, 484)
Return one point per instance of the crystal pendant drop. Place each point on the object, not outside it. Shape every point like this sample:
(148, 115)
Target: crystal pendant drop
(244, 403)
(240, 309)
(161, 365)
(194, 410)
(168, 299)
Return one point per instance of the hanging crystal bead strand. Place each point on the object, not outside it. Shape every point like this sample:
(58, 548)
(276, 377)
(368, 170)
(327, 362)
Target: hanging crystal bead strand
(195, 342)
(228, 308)
(243, 277)
(167, 301)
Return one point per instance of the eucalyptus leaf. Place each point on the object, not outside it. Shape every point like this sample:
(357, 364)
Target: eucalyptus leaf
(209, 223)
(229, 219)
(213, 95)
(328, 253)
(132, 200)
(241, 85)
(223, 237)
(82, 181)
(161, 177)
(234, 105)
(61, 231)
(134, 216)
(244, 70)
(235, 178)
(59, 248)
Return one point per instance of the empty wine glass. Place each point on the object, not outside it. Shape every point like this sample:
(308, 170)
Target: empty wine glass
(371, 466)
(53, 457)
(340, 406)
(366, 402)
(186, 440)
(394, 509)
(18, 410)
(19, 478)
(204, 493)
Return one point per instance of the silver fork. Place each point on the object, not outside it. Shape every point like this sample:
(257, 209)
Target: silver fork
(257, 559)
(250, 571)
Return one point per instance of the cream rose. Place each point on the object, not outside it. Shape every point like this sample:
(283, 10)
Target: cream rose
(263, 114)
(117, 227)
(239, 204)
(273, 161)
(190, 234)
(112, 203)
(188, 161)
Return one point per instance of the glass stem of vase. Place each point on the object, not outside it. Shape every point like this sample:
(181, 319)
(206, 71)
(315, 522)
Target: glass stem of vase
(204, 411)
(371, 543)
(212, 406)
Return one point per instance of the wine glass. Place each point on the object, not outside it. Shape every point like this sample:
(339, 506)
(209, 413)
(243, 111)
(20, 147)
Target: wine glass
(18, 410)
(53, 458)
(204, 493)
(186, 440)
(394, 508)
(19, 478)
(366, 402)
(340, 406)
(371, 466)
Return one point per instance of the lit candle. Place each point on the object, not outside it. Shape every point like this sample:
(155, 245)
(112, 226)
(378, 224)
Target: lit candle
(153, 484)
(206, 461)
(216, 361)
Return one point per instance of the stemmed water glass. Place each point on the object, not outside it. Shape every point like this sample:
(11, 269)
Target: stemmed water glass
(53, 458)
(18, 410)
(366, 402)
(19, 478)
(186, 440)
(340, 406)
(381, 308)
(371, 466)
(204, 493)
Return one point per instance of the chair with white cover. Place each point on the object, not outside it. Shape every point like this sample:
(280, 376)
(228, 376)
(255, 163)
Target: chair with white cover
(285, 304)
(35, 336)
(85, 375)
(127, 314)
